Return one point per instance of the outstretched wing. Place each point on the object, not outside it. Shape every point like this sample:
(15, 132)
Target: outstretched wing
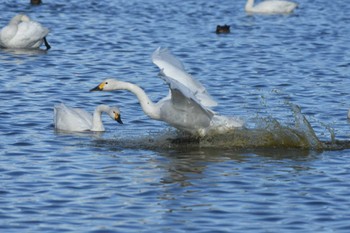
(173, 69)
(183, 99)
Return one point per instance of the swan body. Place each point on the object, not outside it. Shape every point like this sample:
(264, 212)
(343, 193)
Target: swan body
(76, 119)
(23, 33)
(187, 105)
(270, 7)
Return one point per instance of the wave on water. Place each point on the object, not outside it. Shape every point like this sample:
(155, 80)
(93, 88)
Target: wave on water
(267, 132)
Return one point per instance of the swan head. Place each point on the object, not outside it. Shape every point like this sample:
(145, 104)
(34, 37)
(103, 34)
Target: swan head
(114, 113)
(106, 85)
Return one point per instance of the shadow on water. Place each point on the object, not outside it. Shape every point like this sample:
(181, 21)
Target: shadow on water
(267, 134)
(25, 51)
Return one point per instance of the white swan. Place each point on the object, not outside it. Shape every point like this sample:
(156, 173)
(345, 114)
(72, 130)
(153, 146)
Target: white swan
(187, 105)
(76, 119)
(270, 7)
(23, 33)
(172, 69)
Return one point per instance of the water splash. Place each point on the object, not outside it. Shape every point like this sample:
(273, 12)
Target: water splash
(266, 133)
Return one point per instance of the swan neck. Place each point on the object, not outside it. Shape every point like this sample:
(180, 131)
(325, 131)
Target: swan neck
(16, 19)
(147, 105)
(249, 5)
(97, 124)
(19, 18)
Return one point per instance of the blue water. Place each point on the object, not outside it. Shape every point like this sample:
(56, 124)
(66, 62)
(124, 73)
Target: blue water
(145, 177)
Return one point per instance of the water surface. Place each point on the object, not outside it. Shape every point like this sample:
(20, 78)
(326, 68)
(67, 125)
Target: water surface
(286, 76)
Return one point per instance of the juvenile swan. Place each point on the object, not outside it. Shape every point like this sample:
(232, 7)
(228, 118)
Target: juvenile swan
(270, 7)
(187, 105)
(23, 33)
(76, 119)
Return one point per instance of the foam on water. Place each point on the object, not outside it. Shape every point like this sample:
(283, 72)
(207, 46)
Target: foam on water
(267, 133)
(274, 175)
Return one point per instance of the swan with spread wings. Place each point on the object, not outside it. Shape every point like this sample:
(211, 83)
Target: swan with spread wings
(187, 106)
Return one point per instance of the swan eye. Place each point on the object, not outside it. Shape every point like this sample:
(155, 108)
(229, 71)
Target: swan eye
(106, 82)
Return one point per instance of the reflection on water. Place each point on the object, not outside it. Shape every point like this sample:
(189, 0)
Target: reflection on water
(184, 161)
(186, 165)
(25, 51)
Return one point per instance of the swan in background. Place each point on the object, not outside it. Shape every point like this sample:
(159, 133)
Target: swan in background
(76, 119)
(187, 107)
(270, 7)
(23, 33)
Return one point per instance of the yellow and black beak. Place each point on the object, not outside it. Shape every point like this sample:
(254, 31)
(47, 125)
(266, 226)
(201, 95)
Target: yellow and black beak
(118, 118)
(99, 87)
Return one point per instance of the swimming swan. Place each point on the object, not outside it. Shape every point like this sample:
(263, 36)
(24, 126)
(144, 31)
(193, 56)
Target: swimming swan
(23, 33)
(270, 7)
(76, 119)
(187, 105)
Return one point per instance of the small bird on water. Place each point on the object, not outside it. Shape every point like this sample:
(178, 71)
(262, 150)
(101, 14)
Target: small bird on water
(35, 2)
(222, 29)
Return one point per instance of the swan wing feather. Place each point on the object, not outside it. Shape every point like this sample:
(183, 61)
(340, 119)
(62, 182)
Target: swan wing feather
(71, 119)
(172, 68)
(6, 34)
(183, 98)
(275, 6)
(22, 34)
(30, 34)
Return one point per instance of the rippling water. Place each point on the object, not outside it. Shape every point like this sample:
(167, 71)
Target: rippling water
(286, 76)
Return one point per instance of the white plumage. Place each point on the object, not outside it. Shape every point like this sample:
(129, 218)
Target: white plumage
(23, 33)
(187, 105)
(76, 119)
(270, 7)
